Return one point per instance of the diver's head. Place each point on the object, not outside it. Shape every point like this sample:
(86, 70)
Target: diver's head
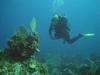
(56, 16)
(59, 19)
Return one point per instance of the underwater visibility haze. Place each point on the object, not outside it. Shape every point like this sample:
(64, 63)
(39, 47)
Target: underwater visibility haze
(25, 41)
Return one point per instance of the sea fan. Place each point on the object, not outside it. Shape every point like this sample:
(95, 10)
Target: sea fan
(33, 24)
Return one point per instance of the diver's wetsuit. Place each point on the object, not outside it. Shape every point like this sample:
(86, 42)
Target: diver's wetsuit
(59, 30)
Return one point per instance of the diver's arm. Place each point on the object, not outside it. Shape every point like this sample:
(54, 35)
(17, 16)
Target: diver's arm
(51, 29)
(68, 28)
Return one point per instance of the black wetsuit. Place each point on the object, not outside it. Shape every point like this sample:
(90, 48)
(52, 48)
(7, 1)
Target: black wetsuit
(59, 30)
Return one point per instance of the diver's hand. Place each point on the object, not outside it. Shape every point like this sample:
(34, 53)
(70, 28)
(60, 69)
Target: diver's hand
(52, 37)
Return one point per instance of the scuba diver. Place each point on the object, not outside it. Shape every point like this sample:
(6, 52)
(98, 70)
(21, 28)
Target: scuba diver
(59, 30)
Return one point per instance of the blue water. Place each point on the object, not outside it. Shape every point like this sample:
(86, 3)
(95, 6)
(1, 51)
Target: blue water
(83, 15)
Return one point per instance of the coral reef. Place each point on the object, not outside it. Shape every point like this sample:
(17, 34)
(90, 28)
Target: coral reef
(28, 67)
(71, 65)
(22, 45)
(18, 57)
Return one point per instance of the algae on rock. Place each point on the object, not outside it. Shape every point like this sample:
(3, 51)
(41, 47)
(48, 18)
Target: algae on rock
(17, 59)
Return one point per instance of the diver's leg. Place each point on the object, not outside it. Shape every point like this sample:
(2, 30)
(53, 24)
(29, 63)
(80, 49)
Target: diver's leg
(72, 40)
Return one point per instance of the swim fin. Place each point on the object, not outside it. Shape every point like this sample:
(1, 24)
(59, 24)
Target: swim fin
(88, 35)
